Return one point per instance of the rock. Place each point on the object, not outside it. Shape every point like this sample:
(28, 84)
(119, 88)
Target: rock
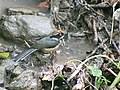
(3, 48)
(22, 11)
(28, 80)
(4, 64)
(1, 88)
(20, 27)
(10, 72)
(2, 75)
(18, 70)
(116, 14)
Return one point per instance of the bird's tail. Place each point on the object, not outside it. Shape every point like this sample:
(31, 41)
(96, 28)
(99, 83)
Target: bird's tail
(24, 55)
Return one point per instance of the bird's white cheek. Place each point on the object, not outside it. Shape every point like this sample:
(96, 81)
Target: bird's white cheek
(55, 39)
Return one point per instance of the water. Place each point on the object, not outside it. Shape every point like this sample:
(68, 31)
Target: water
(74, 49)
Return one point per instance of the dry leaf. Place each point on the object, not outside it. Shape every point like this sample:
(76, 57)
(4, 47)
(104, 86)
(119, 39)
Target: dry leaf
(43, 5)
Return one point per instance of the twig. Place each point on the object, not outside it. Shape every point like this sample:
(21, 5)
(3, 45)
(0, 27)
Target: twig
(116, 80)
(114, 44)
(27, 44)
(112, 29)
(95, 32)
(80, 65)
(79, 15)
(101, 44)
(112, 41)
(111, 71)
(100, 5)
(52, 88)
(72, 24)
(105, 47)
(117, 49)
(91, 84)
(109, 34)
(90, 8)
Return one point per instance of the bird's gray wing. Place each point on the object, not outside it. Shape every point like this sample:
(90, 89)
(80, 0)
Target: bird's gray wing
(45, 43)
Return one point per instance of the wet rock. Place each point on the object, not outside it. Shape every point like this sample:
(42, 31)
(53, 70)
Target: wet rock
(11, 72)
(3, 48)
(4, 64)
(7, 48)
(18, 70)
(28, 80)
(22, 11)
(2, 75)
(21, 27)
(1, 88)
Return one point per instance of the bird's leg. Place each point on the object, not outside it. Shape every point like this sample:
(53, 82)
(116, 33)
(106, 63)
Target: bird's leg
(52, 55)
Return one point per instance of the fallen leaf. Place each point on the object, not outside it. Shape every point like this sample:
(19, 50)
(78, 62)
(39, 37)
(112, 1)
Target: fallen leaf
(4, 55)
(43, 5)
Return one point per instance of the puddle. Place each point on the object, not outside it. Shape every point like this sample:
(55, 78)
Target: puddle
(74, 49)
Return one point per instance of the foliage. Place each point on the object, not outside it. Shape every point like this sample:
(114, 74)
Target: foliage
(95, 71)
(98, 73)
(4, 55)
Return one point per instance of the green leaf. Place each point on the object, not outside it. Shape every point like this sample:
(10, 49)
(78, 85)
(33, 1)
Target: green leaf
(4, 55)
(95, 71)
(99, 82)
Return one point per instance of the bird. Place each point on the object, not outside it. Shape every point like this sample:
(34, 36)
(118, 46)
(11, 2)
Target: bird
(49, 43)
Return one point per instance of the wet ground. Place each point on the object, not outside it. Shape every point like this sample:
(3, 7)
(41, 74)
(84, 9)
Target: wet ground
(75, 48)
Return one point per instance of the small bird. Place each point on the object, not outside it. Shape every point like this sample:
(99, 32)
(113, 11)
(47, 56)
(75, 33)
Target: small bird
(49, 43)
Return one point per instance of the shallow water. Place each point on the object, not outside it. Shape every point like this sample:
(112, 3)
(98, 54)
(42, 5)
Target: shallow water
(74, 49)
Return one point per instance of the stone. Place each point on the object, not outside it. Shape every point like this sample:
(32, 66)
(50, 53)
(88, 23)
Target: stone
(22, 11)
(1, 88)
(19, 27)
(28, 80)
(5, 63)
(116, 14)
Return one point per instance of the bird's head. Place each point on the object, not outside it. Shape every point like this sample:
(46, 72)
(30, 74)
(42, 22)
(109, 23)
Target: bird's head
(58, 35)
